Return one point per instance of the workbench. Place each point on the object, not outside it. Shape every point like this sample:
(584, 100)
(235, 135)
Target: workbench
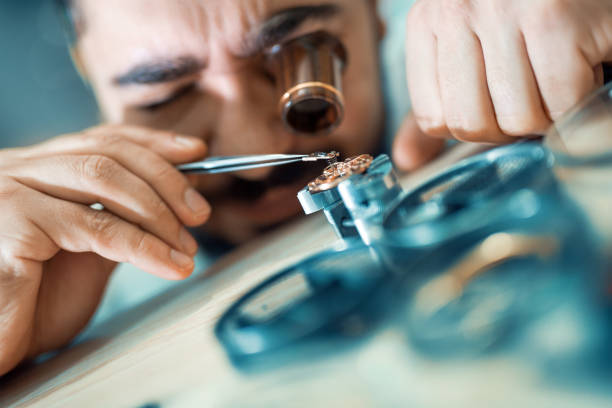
(165, 351)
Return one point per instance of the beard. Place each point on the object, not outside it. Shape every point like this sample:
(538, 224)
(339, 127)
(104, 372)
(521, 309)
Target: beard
(243, 209)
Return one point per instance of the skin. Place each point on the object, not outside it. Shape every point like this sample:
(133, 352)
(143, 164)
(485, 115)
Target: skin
(56, 253)
(497, 70)
(234, 108)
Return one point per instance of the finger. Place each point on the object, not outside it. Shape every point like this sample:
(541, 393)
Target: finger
(96, 178)
(421, 67)
(172, 186)
(171, 146)
(412, 148)
(20, 277)
(77, 228)
(512, 85)
(18, 296)
(563, 74)
(467, 105)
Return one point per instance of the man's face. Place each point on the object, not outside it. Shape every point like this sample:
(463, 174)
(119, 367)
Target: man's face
(198, 67)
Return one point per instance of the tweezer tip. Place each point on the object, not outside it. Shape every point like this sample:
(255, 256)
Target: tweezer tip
(331, 156)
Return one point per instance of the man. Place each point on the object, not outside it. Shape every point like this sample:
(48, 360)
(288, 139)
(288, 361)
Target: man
(179, 80)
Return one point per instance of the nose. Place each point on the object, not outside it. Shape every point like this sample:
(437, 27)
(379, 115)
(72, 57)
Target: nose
(248, 121)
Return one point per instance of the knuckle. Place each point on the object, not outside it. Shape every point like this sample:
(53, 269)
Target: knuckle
(143, 243)
(432, 126)
(161, 170)
(102, 224)
(18, 267)
(460, 134)
(108, 138)
(454, 9)
(98, 167)
(103, 228)
(521, 125)
(546, 16)
(159, 210)
(16, 264)
(514, 128)
(103, 135)
(559, 103)
(472, 133)
(15, 248)
(83, 138)
(20, 243)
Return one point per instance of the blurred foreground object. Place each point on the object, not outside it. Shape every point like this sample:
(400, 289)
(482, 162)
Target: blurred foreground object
(489, 259)
(581, 144)
(504, 255)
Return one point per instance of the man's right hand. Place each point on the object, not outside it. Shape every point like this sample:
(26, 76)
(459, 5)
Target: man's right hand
(56, 252)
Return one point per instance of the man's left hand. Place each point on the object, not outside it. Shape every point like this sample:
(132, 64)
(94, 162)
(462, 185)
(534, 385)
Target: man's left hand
(496, 70)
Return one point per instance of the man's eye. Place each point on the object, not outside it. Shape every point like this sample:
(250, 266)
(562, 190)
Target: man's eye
(155, 106)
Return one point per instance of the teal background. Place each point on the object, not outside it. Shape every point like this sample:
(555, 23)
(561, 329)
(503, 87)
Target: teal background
(41, 95)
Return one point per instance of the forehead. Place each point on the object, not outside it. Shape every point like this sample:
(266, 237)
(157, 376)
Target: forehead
(204, 15)
(144, 28)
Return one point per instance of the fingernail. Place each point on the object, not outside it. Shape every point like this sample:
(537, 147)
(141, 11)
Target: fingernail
(180, 259)
(196, 202)
(187, 242)
(186, 141)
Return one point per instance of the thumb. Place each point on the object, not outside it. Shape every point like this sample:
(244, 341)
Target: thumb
(412, 148)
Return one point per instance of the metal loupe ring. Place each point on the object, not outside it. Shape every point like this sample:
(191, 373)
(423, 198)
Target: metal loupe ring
(309, 74)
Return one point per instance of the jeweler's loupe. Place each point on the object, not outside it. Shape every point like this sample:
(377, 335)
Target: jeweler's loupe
(309, 74)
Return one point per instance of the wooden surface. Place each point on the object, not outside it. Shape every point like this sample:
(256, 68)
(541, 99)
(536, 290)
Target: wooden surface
(166, 349)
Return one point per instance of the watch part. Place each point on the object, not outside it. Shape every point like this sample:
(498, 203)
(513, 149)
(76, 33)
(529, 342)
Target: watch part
(337, 172)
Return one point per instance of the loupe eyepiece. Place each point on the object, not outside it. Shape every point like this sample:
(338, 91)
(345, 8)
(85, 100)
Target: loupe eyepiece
(309, 74)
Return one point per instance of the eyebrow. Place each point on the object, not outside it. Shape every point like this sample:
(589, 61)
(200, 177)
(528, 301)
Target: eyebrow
(276, 28)
(281, 24)
(160, 71)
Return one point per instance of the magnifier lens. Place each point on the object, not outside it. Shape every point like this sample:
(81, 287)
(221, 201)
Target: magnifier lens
(312, 114)
(309, 72)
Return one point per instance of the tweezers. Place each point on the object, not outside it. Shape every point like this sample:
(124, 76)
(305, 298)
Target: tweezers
(227, 164)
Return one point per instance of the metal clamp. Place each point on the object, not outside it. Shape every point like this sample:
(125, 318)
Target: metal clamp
(356, 205)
